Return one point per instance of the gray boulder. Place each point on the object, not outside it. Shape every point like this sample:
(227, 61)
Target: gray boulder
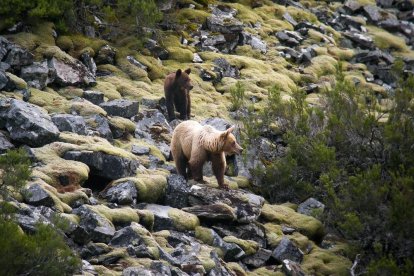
(71, 73)
(106, 55)
(94, 97)
(125, 237)
(37, 196)
(176, 194)
(71, 123)
(121, 107)
(311, 206)
(259, 258)
(3, 79)
(4, 143)
(99, 125)
(18, 57)
(222, 20)
(89, 63)
(96, 227)
(287, 250)
(140, 150)
(123, 193)
(225, 69)
(36, 75)
(103, 164)
(27, 123)
(247, 206)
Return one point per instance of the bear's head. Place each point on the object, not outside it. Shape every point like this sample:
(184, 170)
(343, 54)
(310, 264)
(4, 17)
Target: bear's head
(230, 145)
(183, 80)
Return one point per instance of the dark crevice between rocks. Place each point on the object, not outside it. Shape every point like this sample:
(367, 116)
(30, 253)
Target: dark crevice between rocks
(96, 183)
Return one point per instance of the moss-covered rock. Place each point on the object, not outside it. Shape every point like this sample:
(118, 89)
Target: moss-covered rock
(183, 221)
(249, 247)
(307, 225)
(322, 262)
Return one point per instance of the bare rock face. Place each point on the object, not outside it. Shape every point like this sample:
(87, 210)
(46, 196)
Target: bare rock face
(71, 73)
(36, 75)
(122, 108)
(27, 123)
(104, 165)
(287, 250)
(72, 123)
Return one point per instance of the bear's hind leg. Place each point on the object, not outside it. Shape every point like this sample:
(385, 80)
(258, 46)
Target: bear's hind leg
(181, 166)
(219, 166)
(196, 169)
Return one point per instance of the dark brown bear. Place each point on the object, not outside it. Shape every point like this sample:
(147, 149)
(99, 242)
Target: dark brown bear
(177, 88)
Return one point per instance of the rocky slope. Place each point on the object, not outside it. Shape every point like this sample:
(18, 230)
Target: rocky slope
(92, 116)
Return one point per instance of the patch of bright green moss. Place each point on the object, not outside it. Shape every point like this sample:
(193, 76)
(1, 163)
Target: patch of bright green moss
(204, 234)
(307, 225)
(183, 221)
(250, 247)
(322, 262)
(49, 100)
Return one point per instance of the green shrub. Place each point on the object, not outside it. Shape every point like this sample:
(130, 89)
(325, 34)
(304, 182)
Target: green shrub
(43, 253)
(237, 96)
(361, 168)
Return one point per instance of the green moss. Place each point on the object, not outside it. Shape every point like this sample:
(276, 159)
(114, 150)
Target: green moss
(55, 168)
(341, 53)
(65, 43)
(185, 16)
(204, 234)
(273, 234)
(85, 108)
(180, 54)
(155, 69)
(307, 225)
(322, 65)
(301, 15)
(71, 197)
(204, 257)
(122, 123)
(18, 82)
(102, 270)
(266, 271)
(236, 269)
(108, 89)
(183, 221)
(386, 40)
(249, 246)
(117, 216)
(322, 262)
(49, 100)
(150, 187)
(146, 219)
(70, 92)
(81, 43)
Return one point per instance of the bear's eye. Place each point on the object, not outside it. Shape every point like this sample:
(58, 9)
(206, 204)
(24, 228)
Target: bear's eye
(234, 143)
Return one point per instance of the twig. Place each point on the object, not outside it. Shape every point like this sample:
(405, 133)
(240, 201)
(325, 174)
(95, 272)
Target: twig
(354, 265)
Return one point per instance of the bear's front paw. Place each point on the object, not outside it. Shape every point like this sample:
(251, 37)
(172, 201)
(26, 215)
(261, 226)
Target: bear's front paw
(224, 187)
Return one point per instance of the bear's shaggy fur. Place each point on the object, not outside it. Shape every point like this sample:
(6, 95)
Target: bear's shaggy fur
(177, 88)
(193, 144)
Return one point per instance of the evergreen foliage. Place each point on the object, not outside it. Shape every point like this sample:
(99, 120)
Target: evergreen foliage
(344, 154)
(41, 253)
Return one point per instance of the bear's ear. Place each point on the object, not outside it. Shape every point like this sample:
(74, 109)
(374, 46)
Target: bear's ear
(178, 73)
(188, 71)
(227, 132)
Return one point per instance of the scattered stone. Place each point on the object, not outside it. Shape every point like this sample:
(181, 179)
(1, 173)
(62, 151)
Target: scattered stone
(103, 164)
(37, 196)
(3, 79)
(96, 227)
(224, 69)
(71, 123)
(372, 12)
(156, 50)
(168, 218)
(197, 58)
(106, 55)
(36, 75)
(136, 63)
(98, 125)
(287, 250)
(361, 40)
(290, 19)
(287, 230)
(254, 41)
(121, 107)
(27, 123)
(289, 38)
(310, 206)
(247, 206)
(259, 258)
(5, 143)
(222, 20)
(94, 97)
(176, 194)
(125, 237)
(89, 63)
(123, 193)
(140, 150)
(18, 57)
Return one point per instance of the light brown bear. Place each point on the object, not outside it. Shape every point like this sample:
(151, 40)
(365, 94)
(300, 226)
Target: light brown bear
(193, 144)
